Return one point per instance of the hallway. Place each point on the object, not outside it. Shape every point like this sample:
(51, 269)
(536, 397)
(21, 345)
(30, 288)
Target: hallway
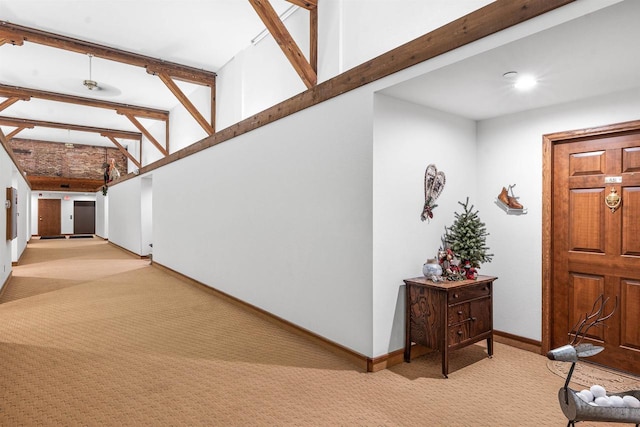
(90, 335)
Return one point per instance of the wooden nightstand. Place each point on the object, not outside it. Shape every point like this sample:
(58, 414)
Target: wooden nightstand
(446, 316)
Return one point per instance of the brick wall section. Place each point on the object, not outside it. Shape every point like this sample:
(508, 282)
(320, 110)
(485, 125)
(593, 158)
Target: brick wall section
(40, 158)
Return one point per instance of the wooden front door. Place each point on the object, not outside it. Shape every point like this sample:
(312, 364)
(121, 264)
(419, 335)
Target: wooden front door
(84, 217)
(49, 217)
(596, 250)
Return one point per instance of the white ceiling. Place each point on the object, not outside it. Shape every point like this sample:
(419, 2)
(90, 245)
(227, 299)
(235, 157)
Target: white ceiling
(203, 34)
(592, 55)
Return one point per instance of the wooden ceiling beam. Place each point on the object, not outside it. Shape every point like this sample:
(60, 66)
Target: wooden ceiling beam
(146, 133)
(305, 4)
(288, 45)
(19, 33)
(124, 150)
(26, 123)
(12, 100)
(26, 93)
(186, 103)
(59, 183)
(16, 131)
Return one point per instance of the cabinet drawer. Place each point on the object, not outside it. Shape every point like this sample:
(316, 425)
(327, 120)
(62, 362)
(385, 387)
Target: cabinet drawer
(469, 292)
(458, 333)
(458, 313)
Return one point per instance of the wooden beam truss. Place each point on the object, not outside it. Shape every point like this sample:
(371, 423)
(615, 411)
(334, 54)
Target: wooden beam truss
(26, 123)
(17, 35)
(276, 27)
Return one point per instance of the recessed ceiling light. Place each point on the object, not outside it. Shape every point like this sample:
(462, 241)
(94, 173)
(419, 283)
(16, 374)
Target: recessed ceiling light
(525, 82)
(520, 82)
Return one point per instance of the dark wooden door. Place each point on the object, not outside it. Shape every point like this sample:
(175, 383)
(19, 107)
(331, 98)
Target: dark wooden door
(596, 250)
(49, 217)
(84, 217)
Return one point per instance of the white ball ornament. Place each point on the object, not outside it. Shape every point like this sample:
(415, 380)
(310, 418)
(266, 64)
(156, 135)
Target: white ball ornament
(598, 391)
(616, 401)
(586, 395)
(603, 401)
(631, 402)
(582, 397)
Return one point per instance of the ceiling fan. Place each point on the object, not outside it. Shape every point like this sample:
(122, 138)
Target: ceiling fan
(98, 89)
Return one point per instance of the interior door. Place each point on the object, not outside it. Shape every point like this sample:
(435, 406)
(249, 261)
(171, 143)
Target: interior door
(84, 217)
(596, 250)
(49, 217)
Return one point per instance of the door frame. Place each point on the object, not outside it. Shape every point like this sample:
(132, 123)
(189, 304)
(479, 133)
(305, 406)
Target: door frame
(549, 142)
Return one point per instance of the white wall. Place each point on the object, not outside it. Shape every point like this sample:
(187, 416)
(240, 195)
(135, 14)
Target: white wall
(125, 216)
(280, 218)
(66, 208)
(407, 138)
(349, 33)
(510, 152)
(19, 244)
(102, 215)
(11, 250)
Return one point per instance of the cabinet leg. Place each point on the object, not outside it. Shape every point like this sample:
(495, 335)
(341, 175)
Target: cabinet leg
(445, 363)
(407, 353)
(490, 347)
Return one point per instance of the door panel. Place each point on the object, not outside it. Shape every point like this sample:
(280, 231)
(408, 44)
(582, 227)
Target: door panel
(597, 251)
(84, 217)
(585, 289)
(587, 228)
(631, 221)
(631, 326)
(49, 217)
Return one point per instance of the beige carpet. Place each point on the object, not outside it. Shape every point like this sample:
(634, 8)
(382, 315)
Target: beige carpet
(90, 336)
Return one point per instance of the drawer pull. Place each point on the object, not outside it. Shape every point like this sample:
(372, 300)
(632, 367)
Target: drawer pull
(460, 312)
(473, 319)
(455, 295)
(459, 332)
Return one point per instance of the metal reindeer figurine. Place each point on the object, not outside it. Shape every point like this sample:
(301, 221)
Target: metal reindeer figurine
(574, 407)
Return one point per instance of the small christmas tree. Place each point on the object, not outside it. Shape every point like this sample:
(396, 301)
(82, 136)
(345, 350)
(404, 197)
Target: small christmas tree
(467, 237)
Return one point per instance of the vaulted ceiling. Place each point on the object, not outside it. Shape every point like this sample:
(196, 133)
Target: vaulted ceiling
(146, 57)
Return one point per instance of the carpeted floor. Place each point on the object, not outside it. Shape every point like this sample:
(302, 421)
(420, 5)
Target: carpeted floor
(90, 336)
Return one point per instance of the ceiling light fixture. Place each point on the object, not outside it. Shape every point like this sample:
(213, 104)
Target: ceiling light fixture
(90, 84)
(520, 82)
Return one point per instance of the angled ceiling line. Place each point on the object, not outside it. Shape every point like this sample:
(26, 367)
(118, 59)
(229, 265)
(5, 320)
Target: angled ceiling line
(26, 93)
(289, 47)
(28, 123)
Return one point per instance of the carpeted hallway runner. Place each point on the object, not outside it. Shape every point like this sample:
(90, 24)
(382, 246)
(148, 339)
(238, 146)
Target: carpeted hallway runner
(90, 336)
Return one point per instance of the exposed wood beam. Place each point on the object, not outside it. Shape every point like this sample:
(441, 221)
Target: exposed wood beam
(20, 33)
(58, 183)
(26, 123)
(23, 92)
(173, 87)
(5, 143)
(5, 40)
(288, 45)
(313, 39)
(146, 133)
(11, 100)
(305, 4)
(124, 150)
(16, 131)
